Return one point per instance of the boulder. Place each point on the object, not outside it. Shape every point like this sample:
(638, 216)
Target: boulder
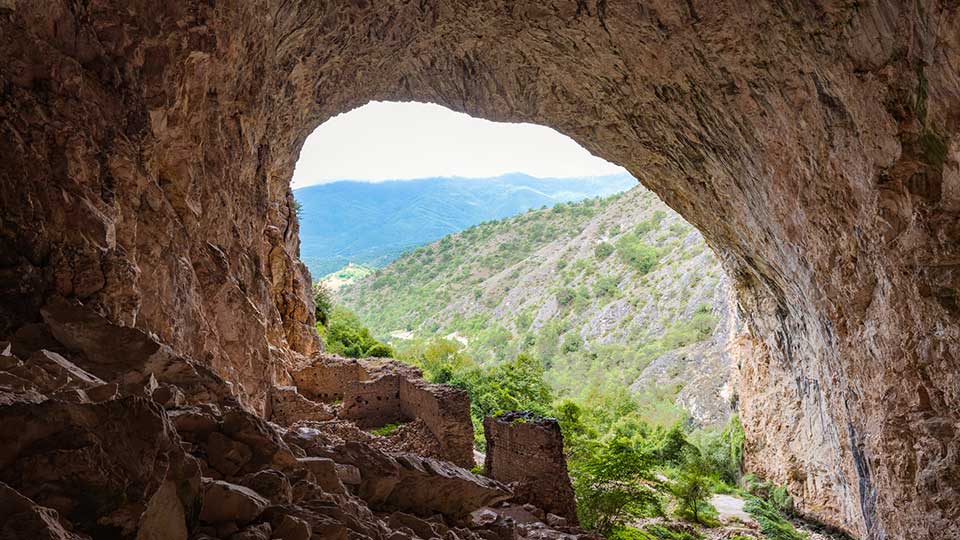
(225, 502)
(325, 472)
(164, 518)
(99, 465)
(21, 518)
(429, 486)
(271, 484)
(269, 449)
(261, 531)
(348, 474)
(227, 455)
(288, 527)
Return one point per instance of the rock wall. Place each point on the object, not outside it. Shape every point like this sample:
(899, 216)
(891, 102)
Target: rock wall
(148, 147)
(526, 452)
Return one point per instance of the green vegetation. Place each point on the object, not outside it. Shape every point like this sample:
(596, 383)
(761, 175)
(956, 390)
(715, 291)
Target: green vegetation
(386, 430)
(345, 335)
(322, 303)
(772, 523)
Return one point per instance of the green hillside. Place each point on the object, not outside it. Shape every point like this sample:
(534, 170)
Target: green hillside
(595, 290)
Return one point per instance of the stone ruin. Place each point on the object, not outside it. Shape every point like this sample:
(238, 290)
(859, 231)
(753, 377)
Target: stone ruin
(525, 451)
(375, 392)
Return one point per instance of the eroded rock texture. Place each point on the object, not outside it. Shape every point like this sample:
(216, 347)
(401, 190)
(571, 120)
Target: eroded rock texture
(147, 148)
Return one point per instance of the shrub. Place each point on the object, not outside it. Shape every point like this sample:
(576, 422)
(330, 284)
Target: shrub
(772, 523)
(383, 431)
(670, 532)
(603, 250)
(565, 296)
(347, 336)
(637, 254)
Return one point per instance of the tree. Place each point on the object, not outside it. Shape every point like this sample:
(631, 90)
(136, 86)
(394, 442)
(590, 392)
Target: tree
(692, 489)
(347, 336)
(322, 302)
(616, 484)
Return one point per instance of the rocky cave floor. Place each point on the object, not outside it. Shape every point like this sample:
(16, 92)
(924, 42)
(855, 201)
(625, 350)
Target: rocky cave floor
(109, 434)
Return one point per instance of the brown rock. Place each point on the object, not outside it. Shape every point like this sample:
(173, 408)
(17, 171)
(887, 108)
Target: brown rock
(270, 484)
(164, 518)
(288, 527)
(225, 502)
(348, 474)
(98, 465)
(325, 472)
(227, 455)
(22, 518)
(428, 486)
(260, 531)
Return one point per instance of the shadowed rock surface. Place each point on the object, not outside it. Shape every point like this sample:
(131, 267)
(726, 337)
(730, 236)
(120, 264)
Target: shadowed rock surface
(148, 147)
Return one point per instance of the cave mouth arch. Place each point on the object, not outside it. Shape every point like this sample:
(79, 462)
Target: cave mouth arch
(149, 150)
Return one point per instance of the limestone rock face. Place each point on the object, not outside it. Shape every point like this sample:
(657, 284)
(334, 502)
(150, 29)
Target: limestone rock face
(147, 149)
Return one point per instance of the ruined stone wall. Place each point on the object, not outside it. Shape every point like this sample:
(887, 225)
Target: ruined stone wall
(148, 146)
(527, 452)
(446, 412)
(373, 403)
(327, 377)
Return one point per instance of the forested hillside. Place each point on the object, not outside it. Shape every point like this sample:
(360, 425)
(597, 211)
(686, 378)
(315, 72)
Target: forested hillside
(605, 293)
(373, 223)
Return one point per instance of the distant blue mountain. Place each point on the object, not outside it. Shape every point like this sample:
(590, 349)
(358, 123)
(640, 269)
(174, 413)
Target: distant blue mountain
(373, 223)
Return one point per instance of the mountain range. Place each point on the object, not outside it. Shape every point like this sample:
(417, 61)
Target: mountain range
(374, 223)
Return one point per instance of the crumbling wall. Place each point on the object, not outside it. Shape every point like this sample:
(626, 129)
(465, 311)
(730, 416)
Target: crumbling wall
(326, 378)
(373, 403)
(446, 412)
(526, 451)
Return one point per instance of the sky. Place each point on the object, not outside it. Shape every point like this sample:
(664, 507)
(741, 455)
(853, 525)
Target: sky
(390, 141)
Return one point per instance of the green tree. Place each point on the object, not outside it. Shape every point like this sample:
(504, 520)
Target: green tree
(347, 336)
(692, 489)
(615, 484)
(322, 302)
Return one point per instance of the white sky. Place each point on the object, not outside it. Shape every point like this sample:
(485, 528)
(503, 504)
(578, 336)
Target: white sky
(387, 141)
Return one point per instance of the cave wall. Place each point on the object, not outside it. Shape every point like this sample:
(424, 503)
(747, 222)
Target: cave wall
(148, 148)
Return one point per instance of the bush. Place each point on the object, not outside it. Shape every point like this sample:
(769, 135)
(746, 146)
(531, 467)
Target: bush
(637, 254)
(603, 250)
(565, 296)
(692, 490)
(772, 523)
(670, 532)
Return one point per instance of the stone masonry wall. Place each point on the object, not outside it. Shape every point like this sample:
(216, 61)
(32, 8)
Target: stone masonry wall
(527, 451)
(327, 377)
(446, 412)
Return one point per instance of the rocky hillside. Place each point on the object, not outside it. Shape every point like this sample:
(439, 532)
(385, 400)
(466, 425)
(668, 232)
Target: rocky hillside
(606, 292)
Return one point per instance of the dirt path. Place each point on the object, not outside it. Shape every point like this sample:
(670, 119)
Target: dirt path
(730, 508)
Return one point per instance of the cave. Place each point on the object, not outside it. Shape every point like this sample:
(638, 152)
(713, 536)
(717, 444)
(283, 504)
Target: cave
(148, 148)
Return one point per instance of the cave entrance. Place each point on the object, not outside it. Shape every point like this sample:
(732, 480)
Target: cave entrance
(465, 246)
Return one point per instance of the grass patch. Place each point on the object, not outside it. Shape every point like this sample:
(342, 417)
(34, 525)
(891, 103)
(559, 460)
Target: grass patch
(384, 431)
